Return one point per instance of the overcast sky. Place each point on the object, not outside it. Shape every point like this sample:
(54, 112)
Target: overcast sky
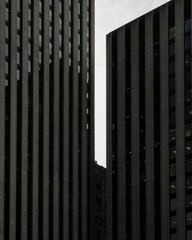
(110, 14)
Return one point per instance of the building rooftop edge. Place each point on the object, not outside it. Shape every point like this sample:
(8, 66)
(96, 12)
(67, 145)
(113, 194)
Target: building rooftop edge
(134, 19)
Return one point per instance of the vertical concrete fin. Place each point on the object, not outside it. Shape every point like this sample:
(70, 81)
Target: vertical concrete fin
(180, 118)
(121, 181)
(66, 119)
(91, 7)
(149, 127)
(164, 122)
(13, 117)
(24, 120)
(109, 193)
(75, 89)
(135, 130)
(35, 115)
(56, 108)
(85, 115)
(46, 116)
(2, 116)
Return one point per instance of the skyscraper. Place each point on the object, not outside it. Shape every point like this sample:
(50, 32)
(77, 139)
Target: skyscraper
(46, 119)
(149, 126)
(100, 196)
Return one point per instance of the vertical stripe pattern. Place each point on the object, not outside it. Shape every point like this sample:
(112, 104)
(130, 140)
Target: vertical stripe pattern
(47, 162)
(160, 166)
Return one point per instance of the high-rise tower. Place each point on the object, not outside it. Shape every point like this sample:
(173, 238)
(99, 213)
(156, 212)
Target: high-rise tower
(46, 119)
(149, 126)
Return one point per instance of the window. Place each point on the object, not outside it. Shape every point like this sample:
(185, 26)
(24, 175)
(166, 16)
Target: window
(173, 187)
(173, 236)
(172, 101)
(172, 135)
(172, 49)
(189, 200)
(189, 147)
(172, 67)
(188, 77)
(173, 170)
(189, 218)
(188, 114)
(189, 164)
(173, 152)
(172, 118)
(189, 183)
(173, 222)
(172, 33)
(189, 234)
(173, 204)
(188, 96)
(172, 84)
(187, 42)
(188, 25)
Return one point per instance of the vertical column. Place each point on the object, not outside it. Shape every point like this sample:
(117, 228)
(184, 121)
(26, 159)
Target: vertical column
(35, 115)
(164, 121)
(92, 116)
(180, 117)
(46, 116)
(66, 118)
(121, 203)
(56, 94)
(75, 118)
(109, 212)
(13, 117)
(135, 129)
(24, 116)
(84, 121)
(149, 113)
(2, 115)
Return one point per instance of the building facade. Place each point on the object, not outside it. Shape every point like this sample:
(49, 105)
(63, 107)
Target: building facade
(100, 195)
(149, 126)
(46, 119)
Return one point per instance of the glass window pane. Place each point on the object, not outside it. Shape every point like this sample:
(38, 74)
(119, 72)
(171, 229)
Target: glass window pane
(172, 49)
(173, 204)
(189, 218)
(173, 170)
(188, 147)
(188, 114)
(188, 130)
(173, 187)
(188, 77)
(173, 236)
(173, 222)
(189, 234)
(188, 25)
(172, 101)
(172, 67)
(189, 165)
(172, 135)
(189, 200)
(172, 84)
(173, 152)
(187, 42)
(172, 32)
(189, 183)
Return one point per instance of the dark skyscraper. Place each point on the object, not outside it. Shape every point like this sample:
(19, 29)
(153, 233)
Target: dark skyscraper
(46, 119)
(149, 126)
(100, 202)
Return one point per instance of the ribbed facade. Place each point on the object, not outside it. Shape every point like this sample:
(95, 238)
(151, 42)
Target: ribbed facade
(100, 223)
(149, 126)
(46, 119)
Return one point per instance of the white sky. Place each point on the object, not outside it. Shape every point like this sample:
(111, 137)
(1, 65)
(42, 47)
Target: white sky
(110, 14)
